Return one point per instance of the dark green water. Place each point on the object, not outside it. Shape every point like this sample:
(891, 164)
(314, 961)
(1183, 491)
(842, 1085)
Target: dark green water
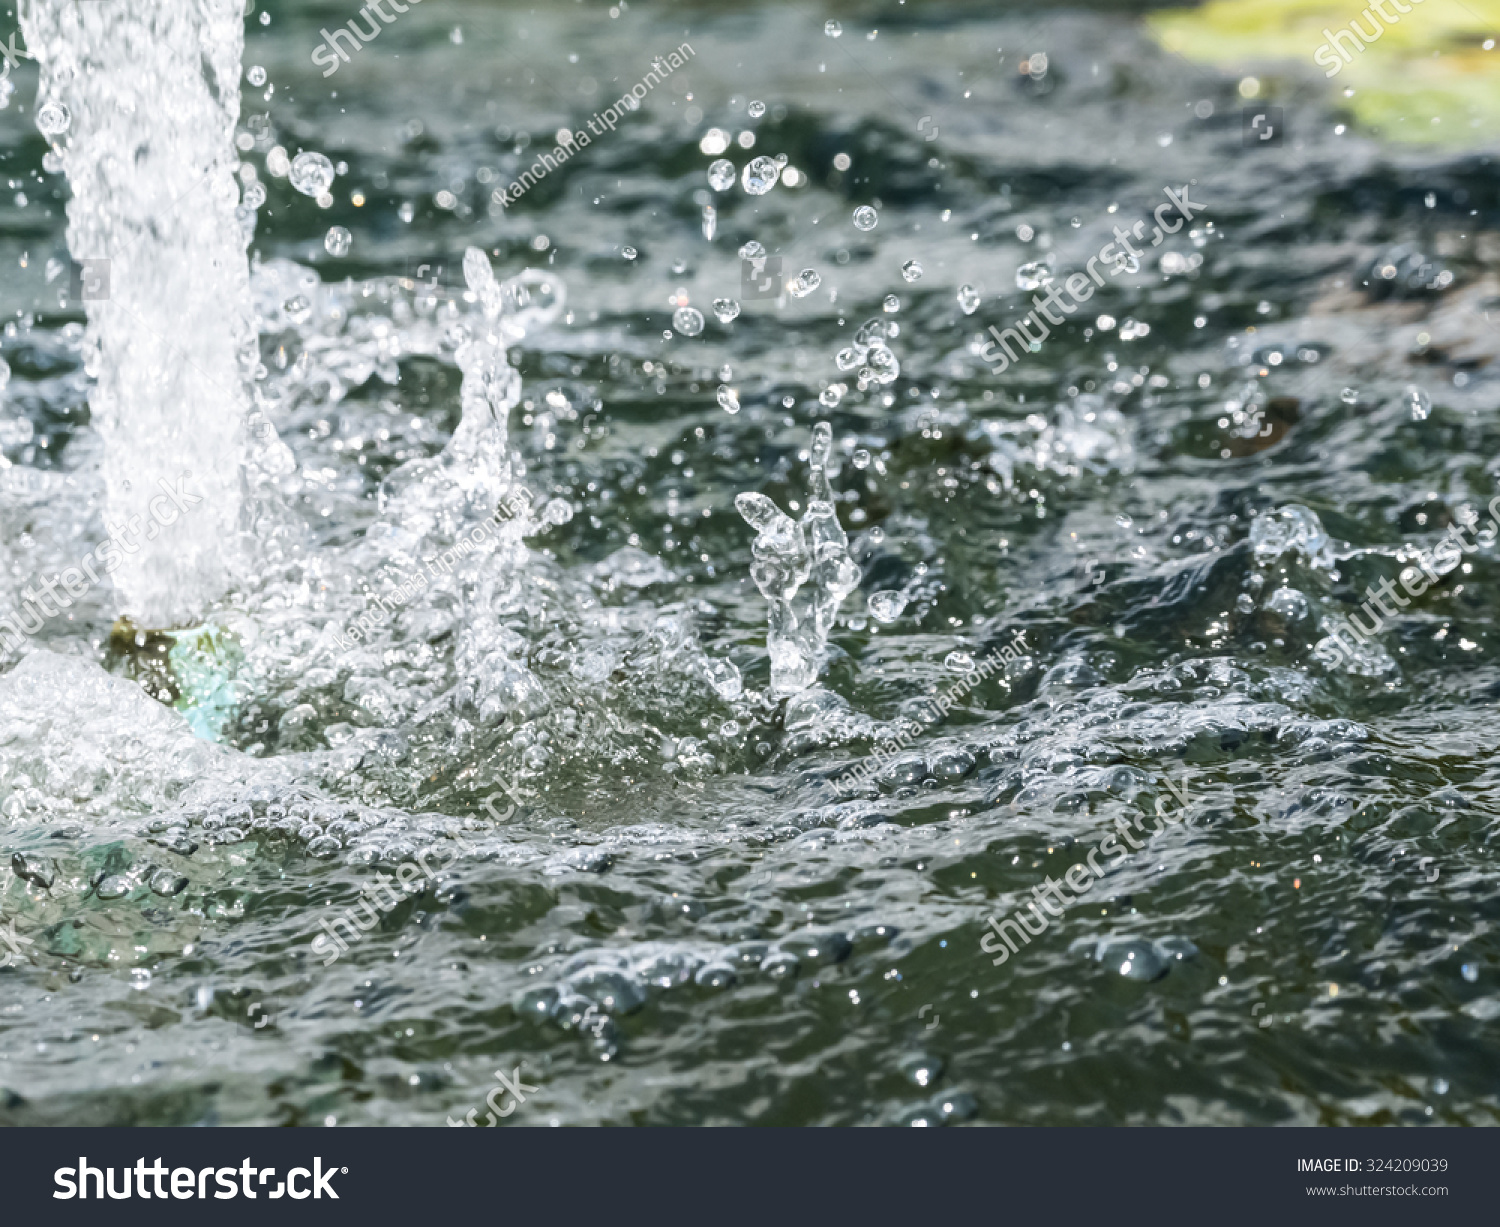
(684, 921)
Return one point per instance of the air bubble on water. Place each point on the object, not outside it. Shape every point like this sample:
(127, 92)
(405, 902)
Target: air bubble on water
(751, 251)
(760, 175)
(688, 321)
(804, 283)
(911, 270)
(887, 605)
(312, 173)
(757, 109)
(830, 396)
(256, 75)
(337, 241)
(52, 119)
(832, 28)
(865, 218)
(729, 400)
(721, 175)
(725, 309)
(891, 305)
(968, 299)
(1033, 276)
(1416, 400)
(724, 677)
(629, 253)
(1348, 396)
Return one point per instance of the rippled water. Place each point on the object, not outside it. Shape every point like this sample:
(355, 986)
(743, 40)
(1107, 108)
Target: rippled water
(638, 871)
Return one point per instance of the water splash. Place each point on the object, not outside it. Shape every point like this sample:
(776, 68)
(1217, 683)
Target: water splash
(788, 554)
(150, 95)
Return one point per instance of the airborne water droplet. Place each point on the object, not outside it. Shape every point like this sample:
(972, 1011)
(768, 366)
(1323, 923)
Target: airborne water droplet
(911, 270)
(760, 175)
(721, 175)
(968, 299)
(312, 173)
(337, 241)
(804, 283)
(52, 119)
(886, 606)
(688, 321)
(729, 401)
(865, 218)
(726, 309)
(1417, 401)
(832, 29)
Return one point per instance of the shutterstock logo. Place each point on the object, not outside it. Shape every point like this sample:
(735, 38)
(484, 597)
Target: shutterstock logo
(188, 1184)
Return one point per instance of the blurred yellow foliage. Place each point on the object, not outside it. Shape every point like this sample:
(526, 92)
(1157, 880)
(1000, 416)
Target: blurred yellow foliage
(1427, 78)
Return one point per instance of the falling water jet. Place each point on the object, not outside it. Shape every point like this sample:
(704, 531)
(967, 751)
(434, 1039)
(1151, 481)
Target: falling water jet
(140, 104)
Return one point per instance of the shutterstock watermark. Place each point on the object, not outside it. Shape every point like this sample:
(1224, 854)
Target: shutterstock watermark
(1327, 56)
(173, 502)
(1348, 635)
(408, 881)
(1120, 257)
(518, 1091)
(1079, 878)
(335, 56)
(189, 1184)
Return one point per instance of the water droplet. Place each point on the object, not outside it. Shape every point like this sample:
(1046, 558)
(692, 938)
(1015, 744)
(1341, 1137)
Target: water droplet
(891, 305)
(729, 400)
(715, 141)
(140, 979)
(1430, 200)
(254, 195)
(256, 75)
(629, 253)
(751, 251)
(958, 662)
(1415, 399)
(760, 175)
(4, 374)
(688, 321)
(832, 29)
(911, 270)
(860, 459)
(1033, 276)
(337, 241)
(804, 283)
(847, 359)
(1469, 972)
(726, 309)
(757, 109)
(887, 605)
(830, 396)
(882, 363)
(968, 299)
(312, 173)
(721, 175)
(724, 677)
(52, 119)
(1348, 396)
(865, 218)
